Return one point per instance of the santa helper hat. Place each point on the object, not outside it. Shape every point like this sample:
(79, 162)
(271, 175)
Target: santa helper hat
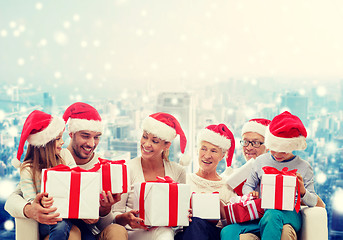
(39, 129)
(286, 133)
(257, 125)
(82, 116)
(166, 127)
(220, 136)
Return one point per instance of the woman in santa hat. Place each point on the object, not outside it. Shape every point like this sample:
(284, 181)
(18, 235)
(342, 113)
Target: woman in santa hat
(214, 143)
(159, 130)
(43, 132)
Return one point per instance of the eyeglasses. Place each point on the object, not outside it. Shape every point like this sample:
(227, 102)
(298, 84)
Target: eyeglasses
(255, 144)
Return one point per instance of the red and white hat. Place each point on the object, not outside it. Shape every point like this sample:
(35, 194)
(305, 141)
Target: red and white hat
(220, 136)
(82, 116)
(286, 133)
(39, 129)
(257, 125)
(166, 127)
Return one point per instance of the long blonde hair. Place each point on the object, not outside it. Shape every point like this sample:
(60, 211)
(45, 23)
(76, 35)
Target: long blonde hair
(38, 158)
(165, 154)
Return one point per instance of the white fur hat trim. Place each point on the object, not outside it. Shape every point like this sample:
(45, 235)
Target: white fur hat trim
(49, 133)
(159, 129)
(287, 145)
(214, 138)
(254, 127)
(76, 124)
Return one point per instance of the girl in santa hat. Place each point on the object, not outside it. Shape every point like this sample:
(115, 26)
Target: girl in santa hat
(43, 132)
(159, 130)
(214, 143)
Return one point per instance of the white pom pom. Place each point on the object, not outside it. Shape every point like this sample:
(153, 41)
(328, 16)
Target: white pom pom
(185, 160)
(16, 163)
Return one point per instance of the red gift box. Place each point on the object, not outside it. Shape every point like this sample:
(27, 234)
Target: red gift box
(243, 209)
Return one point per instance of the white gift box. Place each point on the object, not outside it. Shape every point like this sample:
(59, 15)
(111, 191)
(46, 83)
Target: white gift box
(241, 174)
(115, 177)
(278, 194)
(75, 194)
(206, 205)
(162, 206)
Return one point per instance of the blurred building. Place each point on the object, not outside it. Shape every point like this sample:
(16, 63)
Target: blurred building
(180, 105)
(296, 104)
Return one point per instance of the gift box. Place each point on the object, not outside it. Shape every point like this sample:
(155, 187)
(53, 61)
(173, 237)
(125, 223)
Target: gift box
(75, 191)
(162, 203)
(237, 179)
(243, 209)
(206, 205)
(278, 189)
(114, 175)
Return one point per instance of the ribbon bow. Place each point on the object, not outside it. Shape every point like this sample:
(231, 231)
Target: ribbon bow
(245, 199)
(102, 161)
(285, 172)
(165, 179)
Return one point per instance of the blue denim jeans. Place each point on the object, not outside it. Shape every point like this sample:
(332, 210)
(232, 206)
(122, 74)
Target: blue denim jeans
(60, 230)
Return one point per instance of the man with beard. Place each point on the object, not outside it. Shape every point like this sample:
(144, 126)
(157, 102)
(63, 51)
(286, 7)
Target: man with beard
(85, 129)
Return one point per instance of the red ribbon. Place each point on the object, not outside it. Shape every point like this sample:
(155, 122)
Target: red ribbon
(173, 199)
(105, 166)
(279, 185)
(75, 184)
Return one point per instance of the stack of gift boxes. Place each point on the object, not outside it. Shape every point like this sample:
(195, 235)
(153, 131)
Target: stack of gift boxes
(162, 202)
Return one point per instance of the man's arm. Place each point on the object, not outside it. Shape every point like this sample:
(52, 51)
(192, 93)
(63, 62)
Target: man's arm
(18, 207)
(34, 210)
(15, 204)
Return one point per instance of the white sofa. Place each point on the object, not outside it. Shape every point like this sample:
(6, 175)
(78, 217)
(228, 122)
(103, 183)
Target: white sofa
(314, 225)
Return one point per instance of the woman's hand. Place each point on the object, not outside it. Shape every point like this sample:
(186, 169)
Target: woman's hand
(131, 219)
(106, 202)
(46, 201)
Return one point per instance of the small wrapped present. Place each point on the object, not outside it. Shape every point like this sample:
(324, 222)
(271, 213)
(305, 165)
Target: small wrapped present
(206, 205)
(114, 175)
(278, 189)
(239, 176)
(162, 203)
(75, 191)
(243, 209)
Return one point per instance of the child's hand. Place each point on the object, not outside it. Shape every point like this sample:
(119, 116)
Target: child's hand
(301, 183)
(46, 201)
(254, 194)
